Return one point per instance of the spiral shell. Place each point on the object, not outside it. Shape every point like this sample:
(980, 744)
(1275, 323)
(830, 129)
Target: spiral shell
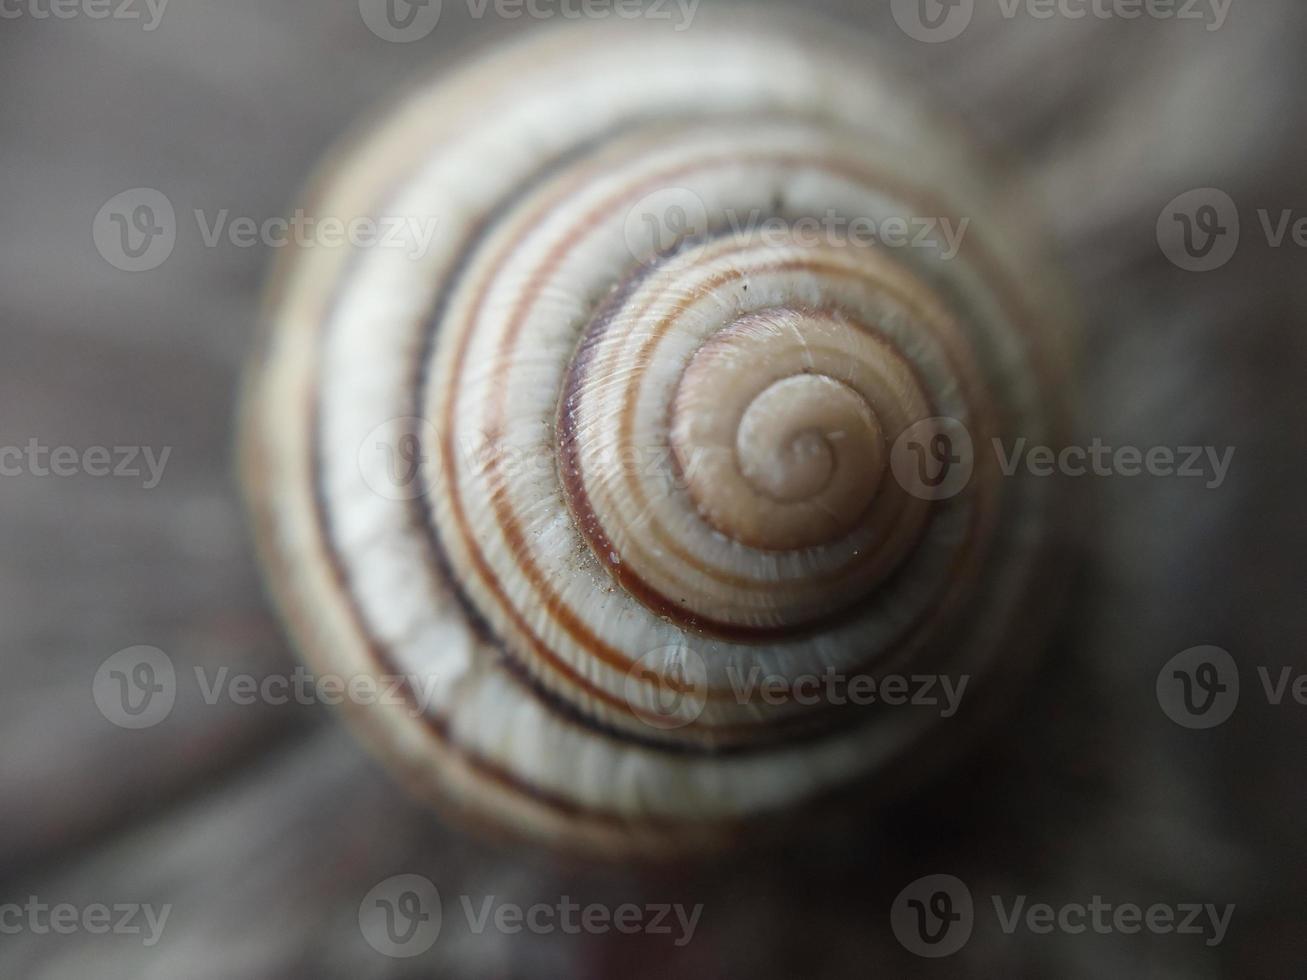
(604, 448)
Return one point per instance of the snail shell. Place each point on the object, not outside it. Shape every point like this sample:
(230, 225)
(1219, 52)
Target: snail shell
(600, 451)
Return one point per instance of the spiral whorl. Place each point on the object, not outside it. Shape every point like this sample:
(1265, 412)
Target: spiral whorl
(646, 447)
(774, 504)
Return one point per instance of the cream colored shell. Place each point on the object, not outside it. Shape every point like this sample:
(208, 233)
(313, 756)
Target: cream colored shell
(605, 450)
